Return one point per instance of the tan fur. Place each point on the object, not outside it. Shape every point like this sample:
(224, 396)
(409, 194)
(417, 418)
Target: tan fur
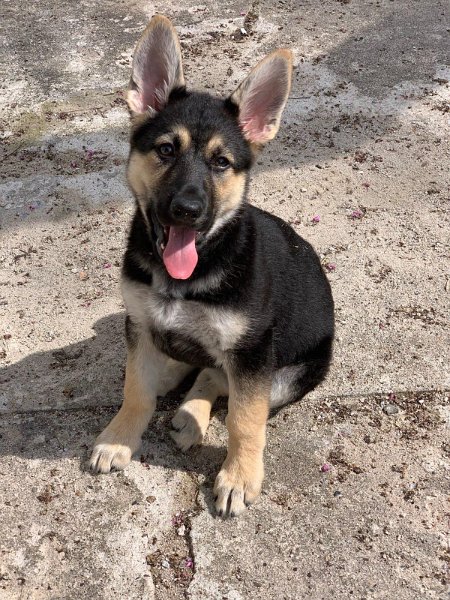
(240, 479)
(229, 186)
(216, 145)
(117, 443)
(184, 137)
(192, 418)
(180, 133)
(148, 374)
(144, 171)
(230, 189)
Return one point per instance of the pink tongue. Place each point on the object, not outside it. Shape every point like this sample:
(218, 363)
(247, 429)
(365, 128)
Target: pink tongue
(180, 254)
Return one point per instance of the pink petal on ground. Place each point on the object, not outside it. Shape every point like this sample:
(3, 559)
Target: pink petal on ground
(357, 214)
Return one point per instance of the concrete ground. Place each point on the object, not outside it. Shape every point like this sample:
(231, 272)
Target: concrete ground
(355, 502)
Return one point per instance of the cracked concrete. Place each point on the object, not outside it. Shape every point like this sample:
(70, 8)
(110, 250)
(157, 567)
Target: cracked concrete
(364, 145)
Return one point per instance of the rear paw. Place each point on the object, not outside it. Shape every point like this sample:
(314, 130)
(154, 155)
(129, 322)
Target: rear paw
(188, 431)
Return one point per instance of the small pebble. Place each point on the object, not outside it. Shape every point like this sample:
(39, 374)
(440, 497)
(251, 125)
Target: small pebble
(337, 494)
(325, 468)
(390, 409)
(165, 564)
(181, 530)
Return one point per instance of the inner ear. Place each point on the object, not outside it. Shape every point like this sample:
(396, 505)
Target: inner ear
(262, 96)
(157, 67)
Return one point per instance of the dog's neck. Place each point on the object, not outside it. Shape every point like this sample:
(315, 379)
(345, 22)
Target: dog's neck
(220, 262)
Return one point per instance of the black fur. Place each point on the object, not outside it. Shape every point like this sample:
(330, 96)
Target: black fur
(268, 273)
(250, 299)
(204, 116)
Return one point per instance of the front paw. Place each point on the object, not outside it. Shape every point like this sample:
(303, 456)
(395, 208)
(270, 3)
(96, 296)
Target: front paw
(237, 485)
(112, 450)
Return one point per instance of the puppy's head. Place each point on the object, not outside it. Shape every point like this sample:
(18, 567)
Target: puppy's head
(190, 152)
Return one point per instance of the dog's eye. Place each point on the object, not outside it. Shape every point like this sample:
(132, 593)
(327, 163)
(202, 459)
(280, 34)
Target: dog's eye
(221, 162)
(166, 150)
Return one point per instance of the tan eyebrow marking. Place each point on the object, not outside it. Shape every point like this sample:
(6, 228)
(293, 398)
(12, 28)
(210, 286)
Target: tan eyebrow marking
(183, 135)
(216, 145)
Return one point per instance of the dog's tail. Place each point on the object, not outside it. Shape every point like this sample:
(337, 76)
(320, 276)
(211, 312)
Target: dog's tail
(292, 383)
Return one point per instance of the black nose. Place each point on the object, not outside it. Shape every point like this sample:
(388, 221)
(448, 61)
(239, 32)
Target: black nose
(188, 204)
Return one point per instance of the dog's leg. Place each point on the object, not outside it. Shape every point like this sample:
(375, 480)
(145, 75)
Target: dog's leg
(149, 373)
(192, 418)
(239, 481)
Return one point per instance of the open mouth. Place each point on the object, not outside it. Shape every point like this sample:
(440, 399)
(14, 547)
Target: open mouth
(179, 252)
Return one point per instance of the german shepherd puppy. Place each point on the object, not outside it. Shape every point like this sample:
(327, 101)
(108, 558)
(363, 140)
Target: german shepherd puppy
(208, 280)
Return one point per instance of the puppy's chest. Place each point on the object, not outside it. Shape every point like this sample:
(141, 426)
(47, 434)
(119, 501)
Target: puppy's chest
(188, 330)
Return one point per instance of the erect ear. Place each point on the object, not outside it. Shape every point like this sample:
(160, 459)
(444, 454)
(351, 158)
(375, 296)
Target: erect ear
(157, 68)
(262, 96)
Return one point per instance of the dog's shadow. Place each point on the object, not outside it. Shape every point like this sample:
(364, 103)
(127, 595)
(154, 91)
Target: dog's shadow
(55, 404)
